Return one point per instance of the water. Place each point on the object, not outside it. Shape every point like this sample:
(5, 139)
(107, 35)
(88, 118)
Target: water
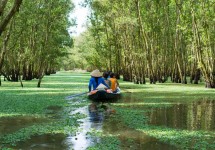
(82, 139)
(191, 116)
(12, 124)
(46, 142)
(133, 139)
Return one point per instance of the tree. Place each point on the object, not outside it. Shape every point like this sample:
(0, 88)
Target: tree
(39, 40)
(6, 15)
(156, 39)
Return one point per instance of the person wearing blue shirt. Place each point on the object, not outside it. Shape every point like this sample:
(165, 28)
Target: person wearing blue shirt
(95, 80)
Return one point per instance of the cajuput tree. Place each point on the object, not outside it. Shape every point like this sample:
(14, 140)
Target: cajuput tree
(39, 40)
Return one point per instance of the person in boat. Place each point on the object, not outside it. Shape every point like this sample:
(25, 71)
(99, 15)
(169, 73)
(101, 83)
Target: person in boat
(109, 72)
(114, 83)
(105, 76)
(95, 80)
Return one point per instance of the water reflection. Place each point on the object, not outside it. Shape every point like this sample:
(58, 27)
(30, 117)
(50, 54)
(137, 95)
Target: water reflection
(53, 112)
(94, 114)
(192, 116)
(97, 113)
(46, 142)
(12, 124)
(133, 139)
(80, 141)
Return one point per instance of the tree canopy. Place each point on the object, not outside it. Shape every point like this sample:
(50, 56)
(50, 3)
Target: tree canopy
(137, 39)
(35, 39)
(154, 39)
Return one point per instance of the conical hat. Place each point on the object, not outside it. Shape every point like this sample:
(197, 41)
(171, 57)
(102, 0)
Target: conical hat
(96, 73)
(101, 87)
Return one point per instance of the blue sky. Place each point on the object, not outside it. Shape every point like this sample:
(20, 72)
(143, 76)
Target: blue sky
(80, 14)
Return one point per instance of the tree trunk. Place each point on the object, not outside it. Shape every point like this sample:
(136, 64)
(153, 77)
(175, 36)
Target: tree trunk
(207, 73)
(20, 79)
(146, 44)
(39, 81)
(11, 13)
(4, 47)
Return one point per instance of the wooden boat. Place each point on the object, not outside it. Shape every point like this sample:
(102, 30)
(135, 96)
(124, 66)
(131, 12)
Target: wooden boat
(103, 96)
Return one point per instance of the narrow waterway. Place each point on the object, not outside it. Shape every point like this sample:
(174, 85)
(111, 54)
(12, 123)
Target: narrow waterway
(93, 121)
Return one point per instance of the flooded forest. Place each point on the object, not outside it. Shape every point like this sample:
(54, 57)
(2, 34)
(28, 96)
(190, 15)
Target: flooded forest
(161, 54)
(59, 115)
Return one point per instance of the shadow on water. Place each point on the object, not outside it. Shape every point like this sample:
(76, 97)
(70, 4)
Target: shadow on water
(191, 116)
(12, 124)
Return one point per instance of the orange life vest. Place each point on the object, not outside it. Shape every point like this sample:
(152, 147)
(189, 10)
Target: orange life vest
(113, 84)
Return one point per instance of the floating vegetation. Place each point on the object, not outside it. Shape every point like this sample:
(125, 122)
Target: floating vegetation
(167, 116)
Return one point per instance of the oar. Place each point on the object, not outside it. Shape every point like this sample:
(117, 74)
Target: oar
(75, 95)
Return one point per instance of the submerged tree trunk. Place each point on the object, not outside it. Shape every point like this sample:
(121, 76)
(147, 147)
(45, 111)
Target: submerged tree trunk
(39, 81)
(20, 79)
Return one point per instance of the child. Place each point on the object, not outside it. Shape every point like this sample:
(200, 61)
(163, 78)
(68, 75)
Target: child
(114, 83)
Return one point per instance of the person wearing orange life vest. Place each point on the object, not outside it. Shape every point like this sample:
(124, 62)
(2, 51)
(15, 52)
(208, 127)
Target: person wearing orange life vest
(114, 83)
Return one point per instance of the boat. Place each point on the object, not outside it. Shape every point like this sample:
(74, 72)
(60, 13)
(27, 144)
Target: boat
(104, 96)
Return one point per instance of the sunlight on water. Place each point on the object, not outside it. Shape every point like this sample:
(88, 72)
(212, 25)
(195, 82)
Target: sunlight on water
(82, 140)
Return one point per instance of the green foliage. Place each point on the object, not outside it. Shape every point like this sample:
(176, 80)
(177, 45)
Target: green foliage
(107, 143)
(134, 118)
(84, 54)
(154, 38)
(38, 38)
(52, 128)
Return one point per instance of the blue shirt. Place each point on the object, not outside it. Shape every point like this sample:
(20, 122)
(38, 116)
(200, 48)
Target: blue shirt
(93, 83)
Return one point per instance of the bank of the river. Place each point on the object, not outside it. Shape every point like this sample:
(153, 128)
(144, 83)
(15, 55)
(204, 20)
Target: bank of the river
(168, 116)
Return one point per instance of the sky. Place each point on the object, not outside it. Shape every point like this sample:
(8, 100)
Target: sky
(80, 14)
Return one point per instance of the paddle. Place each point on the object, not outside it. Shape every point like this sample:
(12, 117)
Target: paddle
(75, 95)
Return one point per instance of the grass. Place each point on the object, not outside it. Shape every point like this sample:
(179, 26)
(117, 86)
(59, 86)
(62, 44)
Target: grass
(131, 109)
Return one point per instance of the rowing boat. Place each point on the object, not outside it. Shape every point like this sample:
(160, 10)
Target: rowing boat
(104, 96)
